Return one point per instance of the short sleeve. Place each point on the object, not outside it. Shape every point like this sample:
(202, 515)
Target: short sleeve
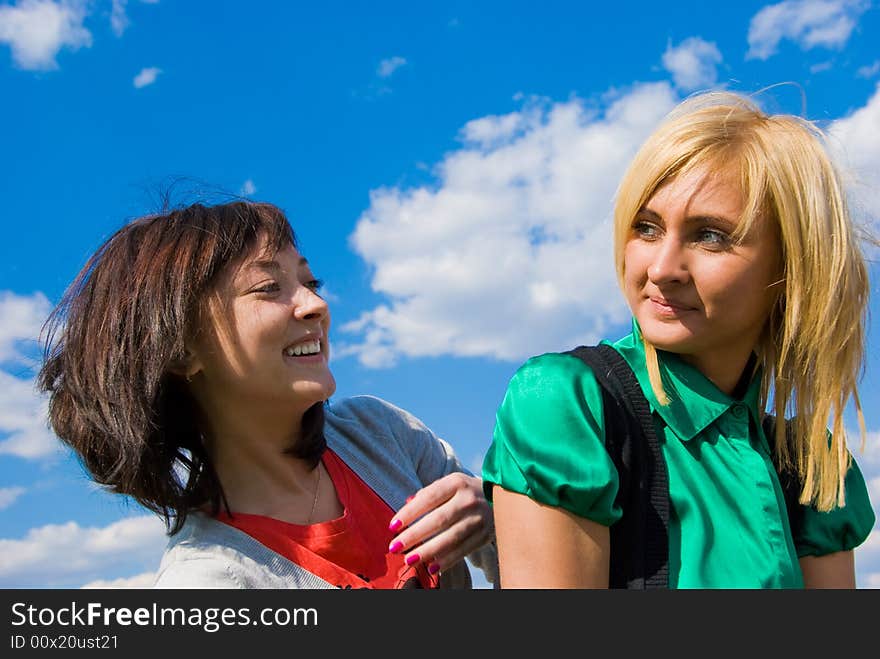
(548, 442)
(840, 529)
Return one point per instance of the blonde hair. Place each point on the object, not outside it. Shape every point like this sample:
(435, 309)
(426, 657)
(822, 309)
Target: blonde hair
(812, 347)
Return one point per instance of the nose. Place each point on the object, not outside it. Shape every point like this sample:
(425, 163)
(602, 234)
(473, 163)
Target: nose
(308, 305)
(669, 263)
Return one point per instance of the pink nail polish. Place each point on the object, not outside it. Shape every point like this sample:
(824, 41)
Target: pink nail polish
(395, 524)
(412, 559)
(410, 498)
(395, 546)
(433, 568)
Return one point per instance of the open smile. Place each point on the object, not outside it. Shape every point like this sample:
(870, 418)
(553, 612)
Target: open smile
(305, 350)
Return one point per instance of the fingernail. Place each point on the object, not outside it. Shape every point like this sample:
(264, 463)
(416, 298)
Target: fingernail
(433, 568)
(412, 559)
(408, 499)
(395, 546)
(395, 524)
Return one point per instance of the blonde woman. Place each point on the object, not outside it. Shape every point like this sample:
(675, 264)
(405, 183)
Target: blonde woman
(738, 258)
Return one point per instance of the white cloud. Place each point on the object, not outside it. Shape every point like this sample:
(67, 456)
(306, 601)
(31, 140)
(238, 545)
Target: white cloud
(810, 23)
(471, 265)
(144, 580)
(64, 555)
(868, 553)
(23, 420)
(693, 63)
(868, 561)
(146, 77)
(869, 70)
(22, 318)
(36, 30)
(23, 428)
(8, 495)
(389, 66)
(248, 188)
(118, 18)
(856, 139)
(821, 66)
(874, 489)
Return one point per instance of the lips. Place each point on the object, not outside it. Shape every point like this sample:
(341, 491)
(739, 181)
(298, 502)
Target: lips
(669, 307)
(304, 347)
(671, 304)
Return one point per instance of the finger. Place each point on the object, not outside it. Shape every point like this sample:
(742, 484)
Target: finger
(428, 498)
(467, 500)
(451, 546)
(446, 541)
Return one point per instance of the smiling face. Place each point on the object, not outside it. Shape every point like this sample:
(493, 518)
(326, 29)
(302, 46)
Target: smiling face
(692, 287)
(266, 337)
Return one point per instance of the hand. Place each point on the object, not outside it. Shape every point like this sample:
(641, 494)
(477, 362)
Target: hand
(443, 522)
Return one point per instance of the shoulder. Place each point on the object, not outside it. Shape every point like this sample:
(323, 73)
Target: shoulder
(207, 553)
(553, 378)
(364, 406)
(373, 417)
(549, 439)
(201, 555)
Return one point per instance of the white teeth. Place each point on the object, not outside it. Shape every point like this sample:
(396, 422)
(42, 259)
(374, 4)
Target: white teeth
(310, 348)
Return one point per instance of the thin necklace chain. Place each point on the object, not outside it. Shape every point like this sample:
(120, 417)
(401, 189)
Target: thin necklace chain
(317, 490)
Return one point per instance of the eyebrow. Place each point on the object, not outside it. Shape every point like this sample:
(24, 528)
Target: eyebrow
(272, 264)
(695, 219)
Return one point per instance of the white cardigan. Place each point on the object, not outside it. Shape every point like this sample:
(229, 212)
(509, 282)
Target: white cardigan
(391, 450)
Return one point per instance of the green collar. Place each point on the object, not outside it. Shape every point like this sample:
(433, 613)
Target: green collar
(695, 402)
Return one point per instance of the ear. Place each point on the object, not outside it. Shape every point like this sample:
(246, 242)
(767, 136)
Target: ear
(187, 366)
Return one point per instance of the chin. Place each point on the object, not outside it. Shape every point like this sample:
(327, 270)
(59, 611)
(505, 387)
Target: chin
(667, 338)
(316, 391)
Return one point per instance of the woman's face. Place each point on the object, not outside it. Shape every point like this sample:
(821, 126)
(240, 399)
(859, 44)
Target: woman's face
(266, 336)
(692, 289)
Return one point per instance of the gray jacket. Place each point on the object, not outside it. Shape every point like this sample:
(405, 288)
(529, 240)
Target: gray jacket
(391, 450)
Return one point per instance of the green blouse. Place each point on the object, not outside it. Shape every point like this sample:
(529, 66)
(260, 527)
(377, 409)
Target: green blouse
(727, 525)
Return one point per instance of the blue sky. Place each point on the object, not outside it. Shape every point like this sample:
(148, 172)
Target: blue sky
(449, 168)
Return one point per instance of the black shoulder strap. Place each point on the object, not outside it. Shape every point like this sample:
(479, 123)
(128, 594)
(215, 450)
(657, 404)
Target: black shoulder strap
(639, 541)
(790, 481)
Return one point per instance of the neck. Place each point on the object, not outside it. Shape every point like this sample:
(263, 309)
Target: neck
(725, 371)
(248, 449)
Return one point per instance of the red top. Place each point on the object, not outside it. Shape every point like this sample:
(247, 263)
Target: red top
(350, 551)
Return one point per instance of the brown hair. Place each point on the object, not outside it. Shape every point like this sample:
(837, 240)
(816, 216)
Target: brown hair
(114, 342)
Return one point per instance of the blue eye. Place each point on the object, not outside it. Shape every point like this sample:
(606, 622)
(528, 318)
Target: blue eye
(713, 237)
(645, 230)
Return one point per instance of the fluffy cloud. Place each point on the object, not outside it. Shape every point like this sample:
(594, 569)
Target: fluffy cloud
(36, 30)
(23, 430)
(470, 265)
(23, 415)
(65, 555)
(144, 580)
(869, 70)
(23, 317)
(508, 254)
(868, 562)
(8, 495)
(693, 63)
(857, 142)
(810, 23)
(147, 76)
(118, 17)
(388, 66)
